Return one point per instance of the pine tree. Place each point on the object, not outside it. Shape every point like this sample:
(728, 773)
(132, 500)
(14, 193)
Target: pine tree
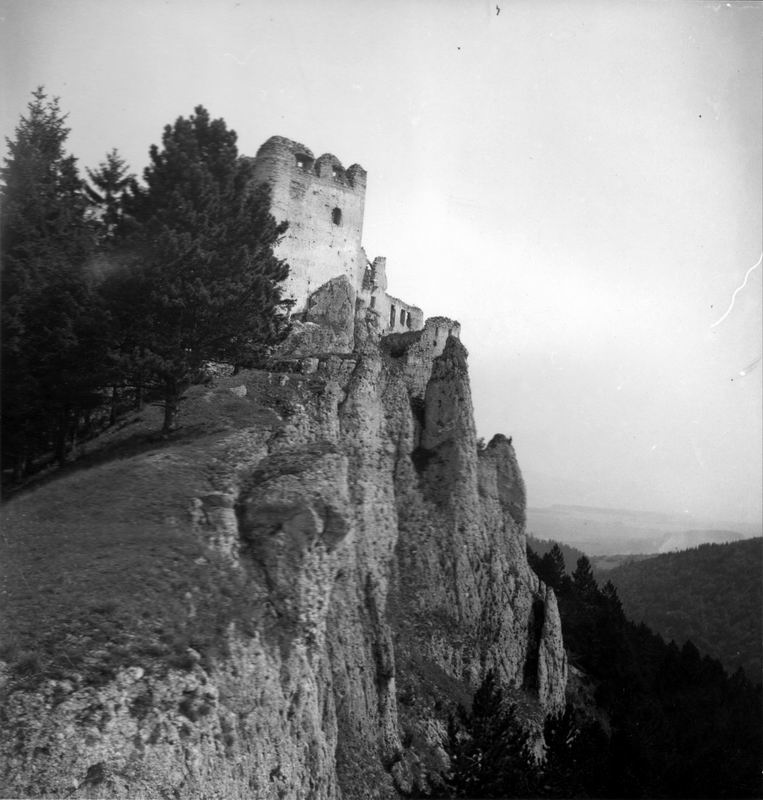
(47, 326)
(489, 752)
(576, 758)
(551, 568)
(110, 183)
(611, 599)
(209, 279)
(583, 581)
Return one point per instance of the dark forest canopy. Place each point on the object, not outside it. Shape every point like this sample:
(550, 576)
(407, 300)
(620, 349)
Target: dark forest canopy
(190, 278)
(51, 350)
(711, 595)
(679, 725)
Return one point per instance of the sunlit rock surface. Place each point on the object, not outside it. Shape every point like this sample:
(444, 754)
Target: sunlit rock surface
(386, 556)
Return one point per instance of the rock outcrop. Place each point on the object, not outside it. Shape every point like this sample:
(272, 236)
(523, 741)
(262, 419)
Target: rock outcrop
(384, 558)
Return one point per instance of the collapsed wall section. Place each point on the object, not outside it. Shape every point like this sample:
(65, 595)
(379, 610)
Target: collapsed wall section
(394, 315)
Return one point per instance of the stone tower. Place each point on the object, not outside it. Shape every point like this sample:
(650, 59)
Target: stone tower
(323, 203)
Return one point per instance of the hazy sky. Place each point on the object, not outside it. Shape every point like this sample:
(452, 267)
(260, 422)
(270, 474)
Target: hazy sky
(579, 183)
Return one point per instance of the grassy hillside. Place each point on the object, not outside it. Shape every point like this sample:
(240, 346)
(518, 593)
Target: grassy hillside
(99, 568)
(712, 595)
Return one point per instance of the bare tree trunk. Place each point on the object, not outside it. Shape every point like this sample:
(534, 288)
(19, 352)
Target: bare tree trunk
(171, 397)
(138, 397)
(21, 462)
(73, 435)
(62, 434)
(87, 424)
(113, 409)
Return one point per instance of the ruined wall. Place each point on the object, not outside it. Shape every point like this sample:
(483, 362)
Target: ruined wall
(394, 315)
(399, 316)
(417, 350)
(323, 204)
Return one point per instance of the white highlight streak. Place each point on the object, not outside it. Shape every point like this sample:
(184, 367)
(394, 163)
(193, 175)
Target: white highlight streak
(750, 367)
(737, 290)
(238, 60)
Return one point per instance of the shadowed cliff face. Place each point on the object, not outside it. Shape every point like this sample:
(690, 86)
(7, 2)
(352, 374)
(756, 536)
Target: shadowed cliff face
(385, 563)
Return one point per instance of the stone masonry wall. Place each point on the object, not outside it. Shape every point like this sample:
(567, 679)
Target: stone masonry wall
(323, 204)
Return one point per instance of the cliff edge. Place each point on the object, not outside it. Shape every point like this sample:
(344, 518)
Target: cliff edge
(325, 572)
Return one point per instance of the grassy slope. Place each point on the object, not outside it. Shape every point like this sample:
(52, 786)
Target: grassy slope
(100, 568)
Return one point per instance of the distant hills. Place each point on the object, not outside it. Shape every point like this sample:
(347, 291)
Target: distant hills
(687, 539)
(607, 531)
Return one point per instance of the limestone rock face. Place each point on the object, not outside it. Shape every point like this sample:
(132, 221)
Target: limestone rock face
(333, 306)
(385, 556)
(466, 598)
(416, 350)
(328, 322)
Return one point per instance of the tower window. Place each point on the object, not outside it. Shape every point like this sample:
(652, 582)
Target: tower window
(373, 301)
(392, 317)
(336, 216)
(402, 316)
(304, 162)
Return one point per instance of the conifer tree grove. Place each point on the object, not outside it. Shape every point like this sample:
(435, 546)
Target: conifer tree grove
(207, 279)
(49, 336)
(662, 721)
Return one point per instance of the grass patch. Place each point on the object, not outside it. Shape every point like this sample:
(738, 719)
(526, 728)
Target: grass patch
(100, 568)
(207, 410)
(99, 599)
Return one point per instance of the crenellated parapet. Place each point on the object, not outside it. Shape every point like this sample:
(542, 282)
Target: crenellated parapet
(290, 156)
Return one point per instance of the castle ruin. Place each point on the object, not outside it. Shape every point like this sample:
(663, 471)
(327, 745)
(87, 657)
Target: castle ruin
(323, 203)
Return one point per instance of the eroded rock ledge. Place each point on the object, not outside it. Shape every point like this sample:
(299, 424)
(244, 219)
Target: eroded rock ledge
(386, 556)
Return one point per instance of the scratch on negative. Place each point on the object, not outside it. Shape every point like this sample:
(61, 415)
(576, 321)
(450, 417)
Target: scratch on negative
(737, 290)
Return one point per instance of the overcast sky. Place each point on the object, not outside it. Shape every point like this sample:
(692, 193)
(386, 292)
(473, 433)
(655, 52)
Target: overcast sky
(578, 183)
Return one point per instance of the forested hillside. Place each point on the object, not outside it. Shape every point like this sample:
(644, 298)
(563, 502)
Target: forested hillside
(661, 719)
(711, 595)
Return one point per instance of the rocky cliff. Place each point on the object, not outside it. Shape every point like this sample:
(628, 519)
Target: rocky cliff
(375, 563)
